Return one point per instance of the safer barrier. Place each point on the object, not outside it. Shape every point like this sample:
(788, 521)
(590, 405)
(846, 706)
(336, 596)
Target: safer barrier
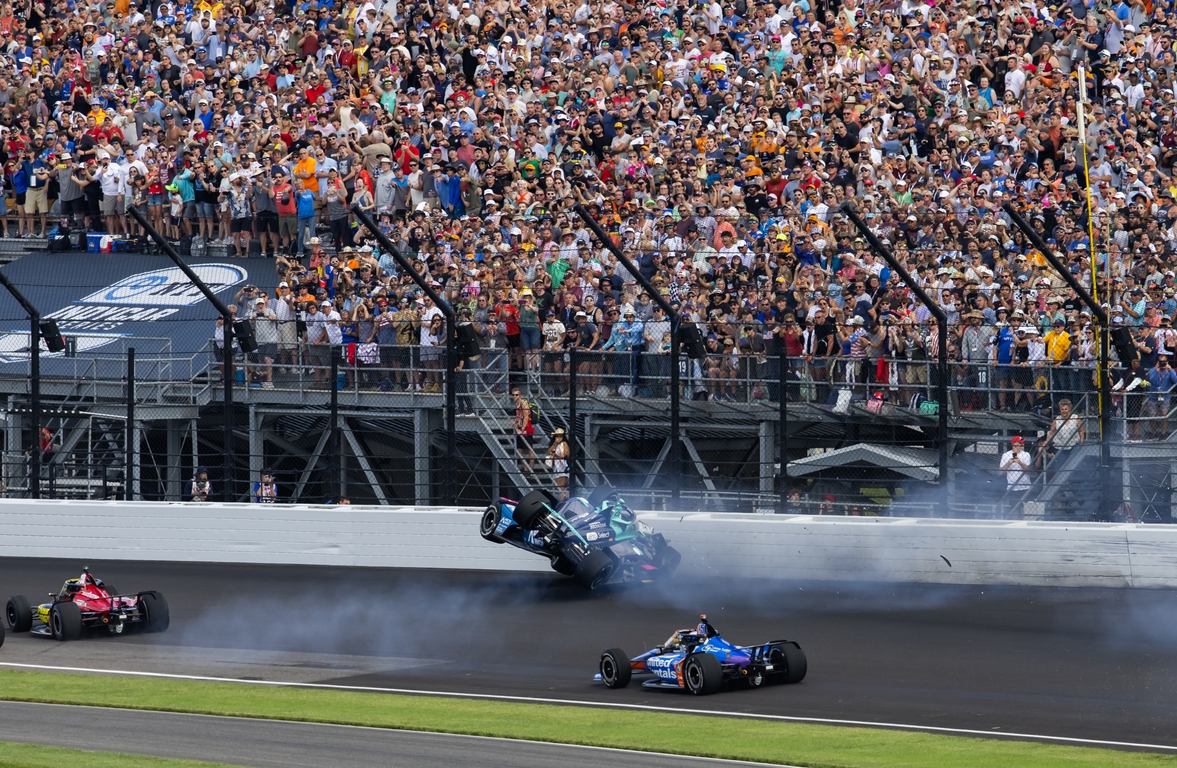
(719, 545)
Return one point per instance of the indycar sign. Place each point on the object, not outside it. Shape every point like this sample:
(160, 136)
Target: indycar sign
(100, 300)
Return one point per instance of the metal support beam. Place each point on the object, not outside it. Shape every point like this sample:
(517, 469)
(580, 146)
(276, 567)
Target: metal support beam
(652, 475)
(592, 452)
(699, 465)
(362, 459)
(314, 459)
(173, 478)
(767, 455)
(131, 432)
(257, 448)
(422, 459)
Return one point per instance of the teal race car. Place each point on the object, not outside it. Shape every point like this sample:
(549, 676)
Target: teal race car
(596, 540)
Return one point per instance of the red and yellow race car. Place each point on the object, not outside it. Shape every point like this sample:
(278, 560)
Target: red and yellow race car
(87, 603)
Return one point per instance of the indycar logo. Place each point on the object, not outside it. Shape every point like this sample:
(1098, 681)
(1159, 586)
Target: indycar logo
(168, 287)
(147, 297)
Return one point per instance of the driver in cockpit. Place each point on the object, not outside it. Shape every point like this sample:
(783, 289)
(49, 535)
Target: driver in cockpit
(687, 639)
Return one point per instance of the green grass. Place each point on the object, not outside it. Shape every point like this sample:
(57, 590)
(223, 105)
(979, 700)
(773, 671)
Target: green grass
(761, 740)
(35, 756)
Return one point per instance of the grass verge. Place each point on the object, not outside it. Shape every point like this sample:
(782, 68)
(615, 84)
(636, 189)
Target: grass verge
(818, 746)
(34, 756)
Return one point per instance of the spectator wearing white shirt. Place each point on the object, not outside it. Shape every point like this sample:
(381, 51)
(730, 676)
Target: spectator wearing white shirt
(113, 180)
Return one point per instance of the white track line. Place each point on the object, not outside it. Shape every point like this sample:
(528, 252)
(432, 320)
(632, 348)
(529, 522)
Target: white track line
(604, 705)
(555, 744)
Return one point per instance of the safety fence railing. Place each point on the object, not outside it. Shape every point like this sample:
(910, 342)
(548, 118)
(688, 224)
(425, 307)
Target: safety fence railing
(368, 422)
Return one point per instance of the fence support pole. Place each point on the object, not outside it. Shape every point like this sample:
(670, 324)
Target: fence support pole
(573, 432)
(783, 472)
(35, 404)
(335, 465)
(676, 473)
(227, 319)
(941, 345)
(451, 323)
(1104, 326)
(132, 469)
(451, 410)
(34, 383)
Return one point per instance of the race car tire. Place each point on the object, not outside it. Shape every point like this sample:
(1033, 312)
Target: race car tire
(65, 621)
(156, 609)
(489, 522)
(19, 613)
(615, 669)
(531, 508)
(1, 634)
(594, 570)
(796, 664)
(563, 565)
(600, 494)
(702, 674)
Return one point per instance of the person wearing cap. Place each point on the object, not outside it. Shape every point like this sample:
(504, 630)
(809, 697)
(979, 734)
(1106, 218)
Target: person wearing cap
(201, 487)
(317, 344)
(265, 332)
(556, 461)
(265, 490)
(1017, 464)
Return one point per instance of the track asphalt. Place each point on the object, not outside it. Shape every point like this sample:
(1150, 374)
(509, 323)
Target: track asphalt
(278, 744)
(1087, 664)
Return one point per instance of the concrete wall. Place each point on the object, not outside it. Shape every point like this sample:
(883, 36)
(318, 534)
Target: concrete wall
(751, 546)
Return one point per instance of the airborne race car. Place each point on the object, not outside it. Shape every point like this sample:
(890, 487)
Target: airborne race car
(597, 540)
(701, 661)
(87, 603)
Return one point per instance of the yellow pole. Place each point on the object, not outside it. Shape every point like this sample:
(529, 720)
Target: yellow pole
(1099, 373)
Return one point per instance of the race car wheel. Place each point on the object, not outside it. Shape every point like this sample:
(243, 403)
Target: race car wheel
(155, 607)
(19, 613)
(702, 674)
(615, 669)
(65, 621)
(1, 633)
(489, 522)
(563, 565)
(594, 570)
(796, 664)
(531, 508)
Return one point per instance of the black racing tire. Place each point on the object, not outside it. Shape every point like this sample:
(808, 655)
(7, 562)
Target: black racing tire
(600, 494)
(65, 621)
(702, 674)
(156, 617)
(490, 520)
(531, 508)
(19, 613)
(594, 571)
(1, 634)
(110, 588)
(563, 565)
(796, 665)
(614, 668)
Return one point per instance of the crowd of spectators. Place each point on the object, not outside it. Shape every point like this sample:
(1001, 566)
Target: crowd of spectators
(714, 140)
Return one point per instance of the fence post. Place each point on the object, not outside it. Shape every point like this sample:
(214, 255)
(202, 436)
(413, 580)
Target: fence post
(451, 408)
(334, 466)
(573, 432)
(130, 452)
(783, 472)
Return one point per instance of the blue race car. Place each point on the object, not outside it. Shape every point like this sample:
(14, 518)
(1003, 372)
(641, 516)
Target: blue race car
(701, 661)
(597, 540)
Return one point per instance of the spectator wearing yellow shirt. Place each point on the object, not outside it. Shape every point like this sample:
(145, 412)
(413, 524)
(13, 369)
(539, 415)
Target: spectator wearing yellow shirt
(1058, 343)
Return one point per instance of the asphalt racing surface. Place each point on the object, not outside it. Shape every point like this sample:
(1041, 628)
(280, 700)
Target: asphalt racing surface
(1084, 664)
(280, 744)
